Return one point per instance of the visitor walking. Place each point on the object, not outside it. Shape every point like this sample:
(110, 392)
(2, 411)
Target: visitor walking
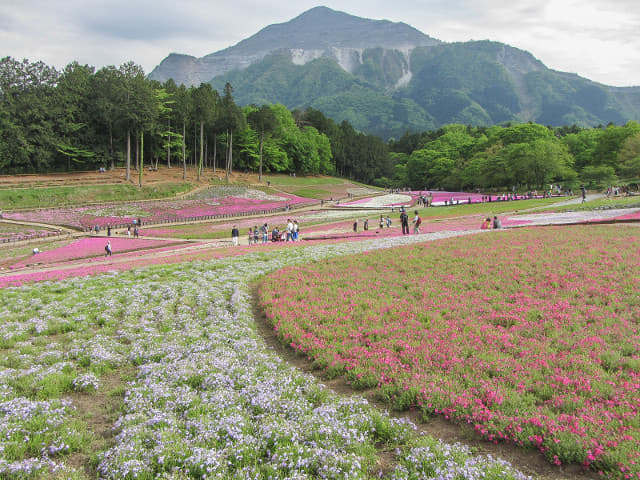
(404, 221)
(235, 235)
(289, 230)
(416, 223)
(107, 249)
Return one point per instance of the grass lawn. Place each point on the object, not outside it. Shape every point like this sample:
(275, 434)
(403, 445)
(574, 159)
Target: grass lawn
(26, 198)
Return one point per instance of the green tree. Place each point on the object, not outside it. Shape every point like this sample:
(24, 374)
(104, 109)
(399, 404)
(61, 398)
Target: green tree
(262, 120)
(27, 92)
(231, 119)
(181, 113)
(104, 94)
(583, 145)
(538, 163)
(137, 108)
(204, 101)
(611, 142)
(629, 157)
(72, 124)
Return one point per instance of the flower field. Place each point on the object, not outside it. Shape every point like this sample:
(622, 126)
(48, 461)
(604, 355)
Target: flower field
(201, 395)
(531, 335)
(212, 202)
(409, 198)
(10, 232)
(92, 247)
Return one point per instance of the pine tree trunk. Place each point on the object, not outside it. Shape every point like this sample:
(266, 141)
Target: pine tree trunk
(137, 155)
(206, 154)
(169, 147)
(226, 160)
(230, 151)
(260, 170)
(141, 158)
(201, 148)
(184, 151)
(128, 156)
(215, 151)
(111, 147)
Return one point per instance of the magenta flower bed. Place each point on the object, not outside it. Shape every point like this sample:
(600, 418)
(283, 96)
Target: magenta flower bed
(529, 335)
(91, 247)
(630, 216)
(173, 253)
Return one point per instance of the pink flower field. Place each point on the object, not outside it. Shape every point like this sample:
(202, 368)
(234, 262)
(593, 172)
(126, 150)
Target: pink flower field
(91, 247)
(156, 211)
(529, 335)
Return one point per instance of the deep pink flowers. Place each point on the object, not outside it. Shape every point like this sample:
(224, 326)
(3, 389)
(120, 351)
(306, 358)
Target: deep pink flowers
(529, 335)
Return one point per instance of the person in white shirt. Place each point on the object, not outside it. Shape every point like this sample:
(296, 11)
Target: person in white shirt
(289, 230)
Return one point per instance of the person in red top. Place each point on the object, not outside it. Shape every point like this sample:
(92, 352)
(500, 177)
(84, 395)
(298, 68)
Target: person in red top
(416, 223)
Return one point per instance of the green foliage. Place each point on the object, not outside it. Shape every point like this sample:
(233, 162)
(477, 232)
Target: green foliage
(81, 119)
(528, 156)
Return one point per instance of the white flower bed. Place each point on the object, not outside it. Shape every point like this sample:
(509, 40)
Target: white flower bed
(381, 201)
(210, 399)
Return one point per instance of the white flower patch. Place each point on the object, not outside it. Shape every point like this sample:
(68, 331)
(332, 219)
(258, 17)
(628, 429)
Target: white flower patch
(86, 383)
(380, 201)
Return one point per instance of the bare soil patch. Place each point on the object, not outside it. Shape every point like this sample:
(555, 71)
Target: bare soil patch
(100, 410)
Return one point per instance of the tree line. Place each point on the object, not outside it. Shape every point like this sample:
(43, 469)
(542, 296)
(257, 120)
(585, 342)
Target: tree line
(81, 118)
(525, 156)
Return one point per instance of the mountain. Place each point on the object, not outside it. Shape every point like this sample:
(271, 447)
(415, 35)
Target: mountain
(387, 78)
(319, 32)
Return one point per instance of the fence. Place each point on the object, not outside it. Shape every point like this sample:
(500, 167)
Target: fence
(33, 238)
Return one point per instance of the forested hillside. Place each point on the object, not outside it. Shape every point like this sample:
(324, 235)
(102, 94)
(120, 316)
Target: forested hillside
(475, 83)
(82, 119)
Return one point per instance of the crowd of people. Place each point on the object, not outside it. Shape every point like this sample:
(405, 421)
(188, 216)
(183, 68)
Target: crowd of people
(262, 234)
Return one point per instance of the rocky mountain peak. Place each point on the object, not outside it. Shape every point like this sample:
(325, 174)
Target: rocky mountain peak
(315, 33)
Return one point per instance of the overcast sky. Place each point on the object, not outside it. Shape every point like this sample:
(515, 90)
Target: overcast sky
(597, 39)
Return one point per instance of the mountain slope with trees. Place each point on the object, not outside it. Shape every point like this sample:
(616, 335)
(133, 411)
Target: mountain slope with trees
(388, 78)
(82, 119)
(476, 83)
